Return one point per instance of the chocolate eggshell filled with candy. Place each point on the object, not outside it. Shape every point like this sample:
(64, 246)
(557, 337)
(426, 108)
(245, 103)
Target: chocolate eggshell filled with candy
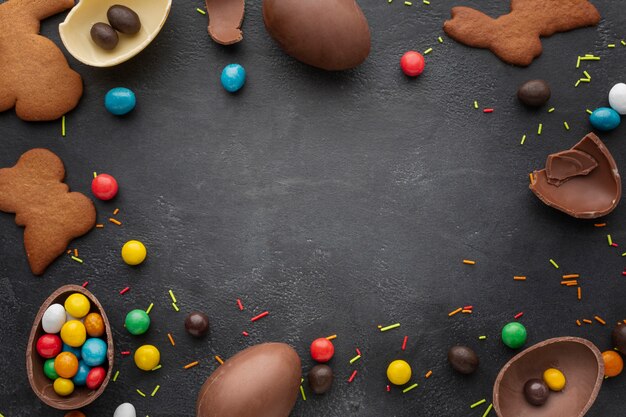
(329, 34)
(260, 381)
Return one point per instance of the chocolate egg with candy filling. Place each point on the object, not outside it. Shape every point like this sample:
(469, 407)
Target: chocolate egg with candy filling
(618, 336)
(320, 378)
(327, 34)
(260, 381)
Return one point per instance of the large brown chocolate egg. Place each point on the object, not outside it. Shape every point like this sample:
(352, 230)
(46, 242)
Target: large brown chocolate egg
(260, 381)
(327, 34)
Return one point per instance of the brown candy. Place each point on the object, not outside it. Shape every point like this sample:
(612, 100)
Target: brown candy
(225, 18)
(197, 324)
(75, 413)
(104, 36)
(463, 359)
(327, 34)
(534, 93)
(320, 378)
(123, 19)
(536, 391)
(618, 336)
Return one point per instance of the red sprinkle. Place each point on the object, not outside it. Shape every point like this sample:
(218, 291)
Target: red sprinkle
(125, 353)
(614, 244)
(406, 338)
(239, 304)
(518, 315)
(624, 273)
(85, 284)
(125, 290)
(245, 333)
(260, 316)
(468, 307)
(488, 111)
(352, 376)
(388, 388)
(358, 352)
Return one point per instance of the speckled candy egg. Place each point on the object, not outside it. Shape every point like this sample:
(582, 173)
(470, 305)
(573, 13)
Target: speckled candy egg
(125, 410)
(617, 98)
(271, 372)
(604, 118)
(53, 319)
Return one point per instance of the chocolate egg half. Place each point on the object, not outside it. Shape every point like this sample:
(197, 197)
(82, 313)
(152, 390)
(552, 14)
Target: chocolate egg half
(260, 381)
(327, 34)
(578, 359)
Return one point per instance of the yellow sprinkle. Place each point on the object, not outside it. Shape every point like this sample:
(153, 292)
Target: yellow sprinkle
(331, 337)
(578, 63)
(392, 326)
(523, 140)
(477, 403)
(482, 337)
(608, 238)
(356, 358)
(587, 55)
(440, 39)
(588, 111)
(475, 104)
(217, 358)
(155, 390)
(540, 128)
(95, 174)
(452, 313)
(63, 126)
(623, 42)
(429, 50)
(566, 125)
(554, 264)
(551, 109)
(302, 392)
(141, 393)
(469, 262)
(590, 58)
(428, 374)
(611, 45)
(488, 410)
(587, 75)
(99, 226)
(149, 309)
(175, 307)
(600, 320)
(407, 389)
(156, 368)
(389, 1)
(116, 375)
(426, 2)
(584, 80)
(191, 365)
(200, 11)
(577, 83)
(114, 221)
(408, 3)
(172, 296)
(80, 261)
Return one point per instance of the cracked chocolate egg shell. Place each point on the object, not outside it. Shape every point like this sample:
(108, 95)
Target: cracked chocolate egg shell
(582, 181)
(327, 34)
(579, 360)
(260, 381)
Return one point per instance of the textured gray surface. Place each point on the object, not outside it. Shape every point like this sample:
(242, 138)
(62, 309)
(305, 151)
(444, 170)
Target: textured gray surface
(335, 201)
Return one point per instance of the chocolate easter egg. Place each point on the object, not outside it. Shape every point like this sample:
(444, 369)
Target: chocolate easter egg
(328, 34)
(260, 381)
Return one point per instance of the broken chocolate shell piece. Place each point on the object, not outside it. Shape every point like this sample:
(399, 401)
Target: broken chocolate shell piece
(583, 181)
(225, 18)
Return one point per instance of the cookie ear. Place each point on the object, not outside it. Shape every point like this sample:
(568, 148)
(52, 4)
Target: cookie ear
(40, 165)
(42, 9)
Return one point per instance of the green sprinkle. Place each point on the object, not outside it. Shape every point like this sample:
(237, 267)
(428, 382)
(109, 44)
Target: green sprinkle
(590, 58)
(172, 296)
(141, 393)
(393, 326)
(540, 128)
(523, 140)
(623, 42)
(611, 45)
(80, 261)
(551, 109)
(156, 368)
(475, 104)
(440, 39)
(116, 375)
(584, 80)
(488, 410)
(356, 358)
(63, 126)
(587, 55)
(155, 390)
(624, 254)
(407, 389)
(175, 307)
(429, 50)
(577, 83)
(482, 337)
(149, 309)
(408, 3)
(588, 111)
(587, 75)
(578, 63)
(200, 11)
(302, 392)
(608, 238)
(554, 264)
(477, 403)
(426, 2)
(566, 125)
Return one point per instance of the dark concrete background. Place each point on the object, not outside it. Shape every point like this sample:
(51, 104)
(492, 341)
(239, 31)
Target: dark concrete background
(337, 201)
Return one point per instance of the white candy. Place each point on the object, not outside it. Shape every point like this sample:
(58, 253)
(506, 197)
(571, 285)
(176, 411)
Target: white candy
(125, 410)
(617, 98)
(53, 318)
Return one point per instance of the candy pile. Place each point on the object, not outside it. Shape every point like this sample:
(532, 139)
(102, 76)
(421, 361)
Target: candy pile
(73, 359)
(608, 118)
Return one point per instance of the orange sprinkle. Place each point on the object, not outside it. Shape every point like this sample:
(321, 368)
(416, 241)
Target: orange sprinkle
(469, 262)
(570, 276)
(331, 337)
(69, 251)
(587, 321)
(428, 374)
(624, 321)
(600, 224)
(169, 336)
(580, 293)
(217, 358)
(99, 226)
(568, 283)
(76, 253)
(452, 313)
(578, 323)
(117, 222)
(531, 177)
(519, 278)
(600, 320)
(116, 211)
(191, 365)
(466, 311)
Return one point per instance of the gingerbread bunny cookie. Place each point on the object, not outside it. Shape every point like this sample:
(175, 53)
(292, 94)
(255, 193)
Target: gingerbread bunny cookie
(36, 78)
(515, 37)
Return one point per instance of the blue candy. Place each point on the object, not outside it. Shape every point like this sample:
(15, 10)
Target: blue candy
(75, 351)
(604, 118)
(80, 378)
(233, 77)
(120, 101)
(94, 351)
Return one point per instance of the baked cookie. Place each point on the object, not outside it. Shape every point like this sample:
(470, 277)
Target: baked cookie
(36, 78)
(33, 189)
(515, 37)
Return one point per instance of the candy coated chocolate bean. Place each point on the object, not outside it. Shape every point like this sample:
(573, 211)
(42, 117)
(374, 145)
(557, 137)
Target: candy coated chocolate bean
(53, 319)
(233, 77)
(77, 305)
(95, 377)
(463, 359)
(618, 337)
(613, 363)
(123, 19)
(94, 325)
(73, 333)
(48, 369)
(104, 36)
(147, 357)
(125, 410)
(534, 93)
(104, 186)
(399, 372)
(412, 63)
(320, 378)
(605, 118)
(66, 365)
(197, 324)
(63, 387)
(514, 335)
(74, 350)
(554, 379)
(120, 101)
(49, 345)
(137, 322)
(536, 391)
(134, 252)
(80, 379)
(322, 350)
(94, 352)
(617, 98)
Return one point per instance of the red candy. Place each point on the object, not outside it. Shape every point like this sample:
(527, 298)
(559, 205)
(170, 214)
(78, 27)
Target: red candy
(412, 63)
(322, 350)
(104, 187)
(49, 345)
(95, 377)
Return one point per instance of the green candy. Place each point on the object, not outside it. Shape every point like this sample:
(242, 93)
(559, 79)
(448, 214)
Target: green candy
(48, 369)
(137, 322)
(514, 335)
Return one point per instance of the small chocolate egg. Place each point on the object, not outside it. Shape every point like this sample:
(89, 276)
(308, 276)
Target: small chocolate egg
(605, 119)
(53, 319)
(271, 372)
(125, 410)
(463, 359)
(320, 378)
(534, 93)
(536, 391)
(123, 19)
(618, 336)
(197, 324)
(104, 36)
(75, 413)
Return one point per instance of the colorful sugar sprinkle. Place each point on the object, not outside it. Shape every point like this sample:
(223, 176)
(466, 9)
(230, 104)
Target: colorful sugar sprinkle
(392, 326)
(407, 389)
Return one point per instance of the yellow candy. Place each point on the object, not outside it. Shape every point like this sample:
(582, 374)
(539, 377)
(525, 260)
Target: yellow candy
(147, 357)
(133, 252)
(63, 387)
(73, 333)
(77, 305)
(554, 379)
(399, 372)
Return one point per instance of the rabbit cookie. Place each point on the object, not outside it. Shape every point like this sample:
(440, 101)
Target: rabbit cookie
(36, 78)
(33, 189)
(514, 37)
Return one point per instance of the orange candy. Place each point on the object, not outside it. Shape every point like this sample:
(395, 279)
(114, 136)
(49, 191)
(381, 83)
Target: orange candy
(94, 325)
(613, 363)
(66, 365)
